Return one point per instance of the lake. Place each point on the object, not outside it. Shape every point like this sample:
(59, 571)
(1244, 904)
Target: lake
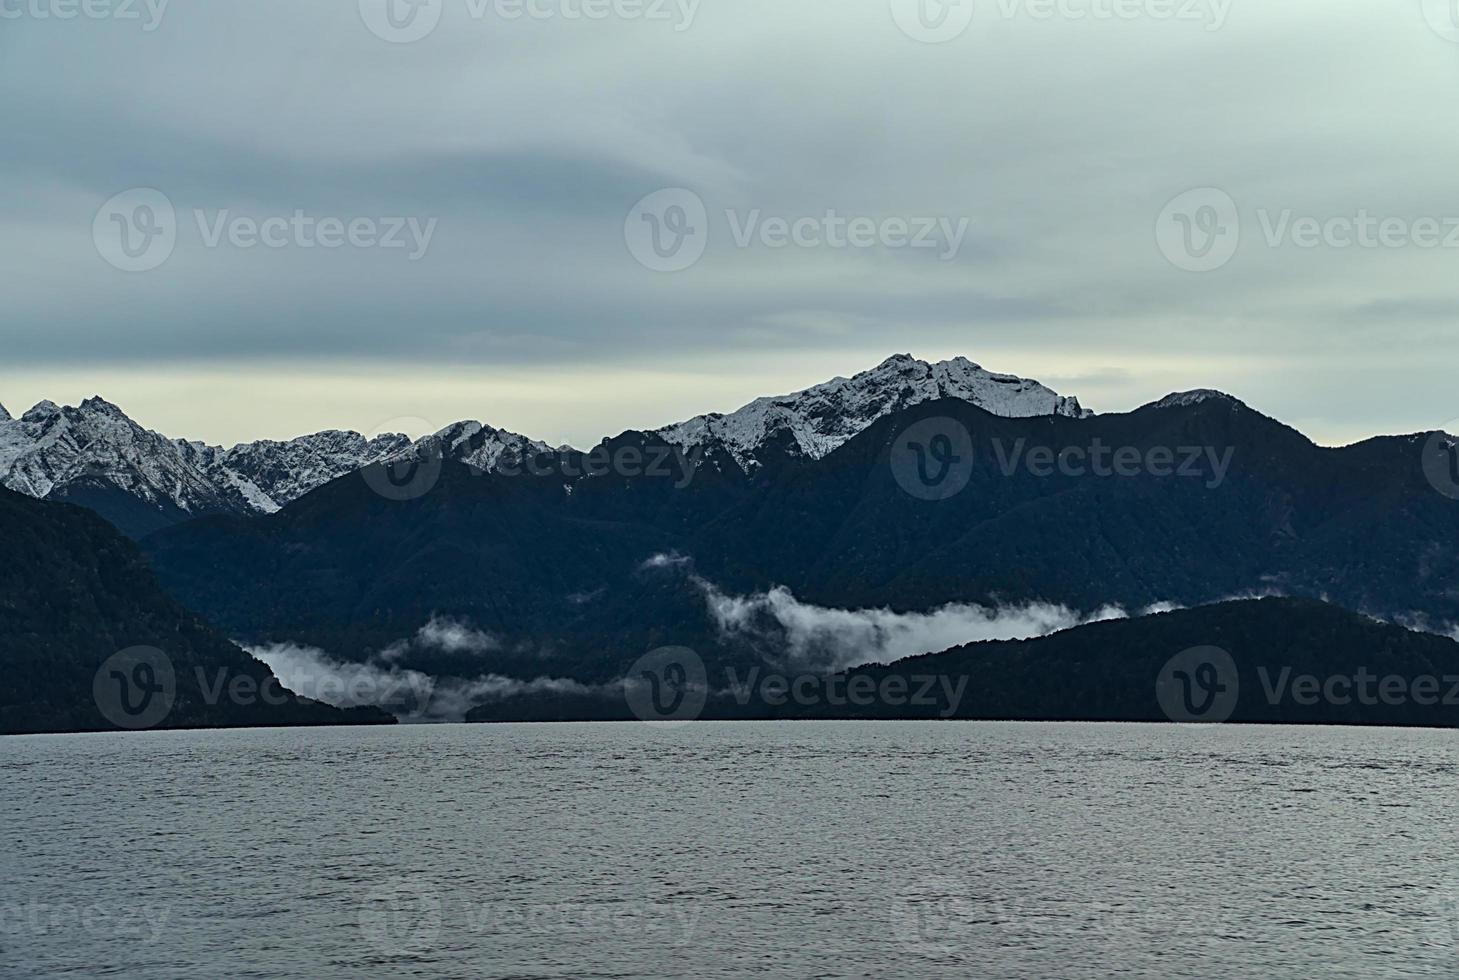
(721, 850)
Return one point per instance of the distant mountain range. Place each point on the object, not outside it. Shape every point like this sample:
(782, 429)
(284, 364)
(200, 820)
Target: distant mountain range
(94, 455)
(578, 575)
(900, 511)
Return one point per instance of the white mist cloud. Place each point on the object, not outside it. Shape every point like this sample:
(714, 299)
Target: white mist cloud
(455, 637)
(1421, 623)
(664, 560)
(411, 695)
(836, 639)
(445, 634)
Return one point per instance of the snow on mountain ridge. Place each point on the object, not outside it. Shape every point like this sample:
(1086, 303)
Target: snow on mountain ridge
(821, 418)
(271, 473)
(1195, 397)
(481, 446)
(51, 448)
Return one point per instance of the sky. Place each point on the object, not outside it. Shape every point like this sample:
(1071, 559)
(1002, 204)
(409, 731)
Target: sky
(573, 217)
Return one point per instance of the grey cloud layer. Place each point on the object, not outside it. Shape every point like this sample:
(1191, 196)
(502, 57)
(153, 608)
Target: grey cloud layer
(529, 141)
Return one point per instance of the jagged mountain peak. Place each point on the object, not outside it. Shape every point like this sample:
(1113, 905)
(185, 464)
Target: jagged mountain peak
(41, 410)
(820, 418)
(98, 405)
(4, 415)
(95, 448)
(480, 445)
(1194, 397)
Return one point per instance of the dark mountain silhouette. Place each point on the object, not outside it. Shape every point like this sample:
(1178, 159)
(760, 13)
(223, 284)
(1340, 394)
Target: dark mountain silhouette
(1291, 661)
(73, 593)
(1111, 671)
(554, 565)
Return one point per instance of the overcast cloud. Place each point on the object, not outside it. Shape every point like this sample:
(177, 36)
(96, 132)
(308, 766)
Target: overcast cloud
(523, 146)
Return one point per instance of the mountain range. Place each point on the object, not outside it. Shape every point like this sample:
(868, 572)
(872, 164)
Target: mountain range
(800, 531)
(141, 480)
(576, 576)
(93, 454)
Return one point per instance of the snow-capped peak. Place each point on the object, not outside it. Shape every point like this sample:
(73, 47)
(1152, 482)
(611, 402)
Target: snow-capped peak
(52, 449)
(41, 411)
(1195, 397)
(481, 446)
(821, 418)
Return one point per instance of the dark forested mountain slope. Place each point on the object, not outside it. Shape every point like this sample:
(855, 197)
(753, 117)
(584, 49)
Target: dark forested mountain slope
(1257, 657)
(74, 593)
(554, 564)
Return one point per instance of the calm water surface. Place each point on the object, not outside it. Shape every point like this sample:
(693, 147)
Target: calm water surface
(720, 850)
